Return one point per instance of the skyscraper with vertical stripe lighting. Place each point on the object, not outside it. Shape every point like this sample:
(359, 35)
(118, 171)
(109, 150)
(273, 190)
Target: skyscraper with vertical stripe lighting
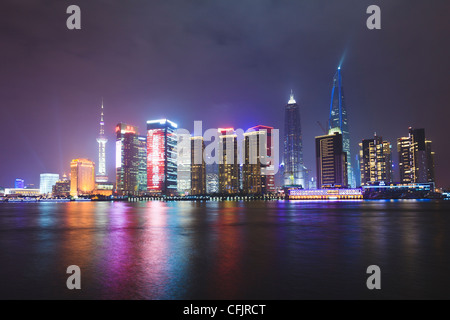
(338, 119)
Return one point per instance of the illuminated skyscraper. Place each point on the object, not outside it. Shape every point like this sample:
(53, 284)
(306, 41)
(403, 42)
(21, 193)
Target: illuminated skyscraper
(375, 161)
(228, 161)
(338, 119)
(183, 163)
(127, 159)
(258, 171)
(82, 177)
(293, 145)
(19, 184)
(161, 157)
(142, 171)
(331, 161)
(101, 175)
(198, 167)
(416, 159)
(47, 181)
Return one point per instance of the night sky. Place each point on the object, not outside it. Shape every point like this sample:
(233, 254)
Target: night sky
(229, 63)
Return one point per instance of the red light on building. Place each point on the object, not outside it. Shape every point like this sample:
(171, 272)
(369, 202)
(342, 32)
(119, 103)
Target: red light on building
(155, 159)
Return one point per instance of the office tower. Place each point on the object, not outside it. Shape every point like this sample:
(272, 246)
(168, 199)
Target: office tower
(429, 161)
(101, 174)
(142, 167)
(331, 161)
(82, 177)
(416, 159)
(228, 162)
(198, 167)
(293, 145)
(61, 188)
(47, 181)
(375, 161)
(212, 177)
(338, 119)
(258, 171)
(184, 163)
(161, 157)
(19, 184)
(127, 159)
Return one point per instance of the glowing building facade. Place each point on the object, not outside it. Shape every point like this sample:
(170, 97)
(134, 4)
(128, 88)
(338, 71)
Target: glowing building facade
(293, 145)
(19, 183)
(416, 158)
(338, 119)
(142, 170)
(257, 170)
(375, 161)
(161, 157)
(127, 159)
(184, 163)
(198, 167)
(101, 140)
(228, 162)
(82, 177)
(47, 181)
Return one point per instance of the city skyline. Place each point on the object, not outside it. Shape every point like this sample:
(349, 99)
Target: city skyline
(229, 80)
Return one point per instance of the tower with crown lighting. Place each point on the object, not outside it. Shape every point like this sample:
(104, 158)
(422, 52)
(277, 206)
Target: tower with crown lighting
(294, 170)
(338, 119)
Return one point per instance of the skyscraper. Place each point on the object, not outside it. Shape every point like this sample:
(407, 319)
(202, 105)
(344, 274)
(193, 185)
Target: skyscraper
(142, 170)
(375, 161)
(338, 119)
(101, 174)
(198, 167)
(293, 145)
(19, 184)
(161, 157)
(47, 181)
(258, 173)
(331, 161)
(184, 163)
(127, 159)
(416, 159)
(228, 162)
(82, 177)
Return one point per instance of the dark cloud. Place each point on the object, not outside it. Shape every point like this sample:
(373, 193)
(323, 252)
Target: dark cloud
(223, 62)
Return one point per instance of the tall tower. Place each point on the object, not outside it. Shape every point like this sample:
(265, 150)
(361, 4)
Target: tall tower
(293, 146)
(101, 175)
(338, 119)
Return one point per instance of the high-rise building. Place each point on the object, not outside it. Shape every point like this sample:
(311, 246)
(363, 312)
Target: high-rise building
(331, 161)
(375, 161)
(142, 170)
(101, 140)
(212, 176)
(19, 184)
(61, 188)
(161, 157)
(293, 145)
(338, 119)
(258, 171)
(228, 161)
(47, 181)
(184, 163)
(127, 159)
(82, 177)
(198, 166)
(416, 159)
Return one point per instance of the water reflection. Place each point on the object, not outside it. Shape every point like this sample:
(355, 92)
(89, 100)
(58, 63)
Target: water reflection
(225, 250)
